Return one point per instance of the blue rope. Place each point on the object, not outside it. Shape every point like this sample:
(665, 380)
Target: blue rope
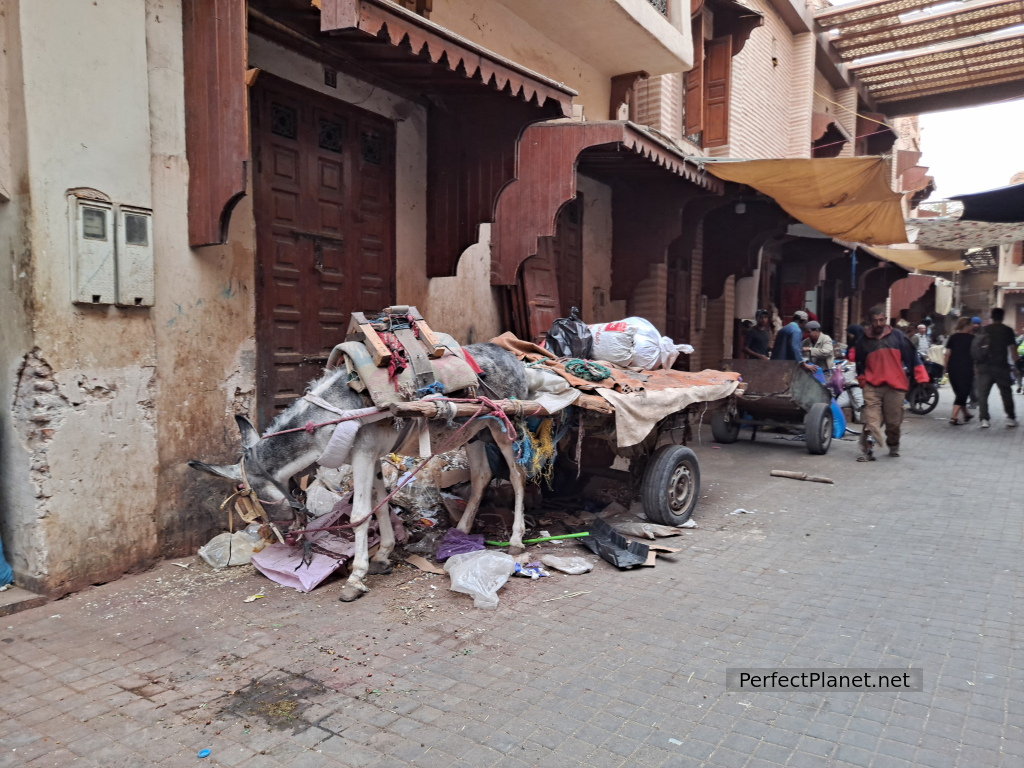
(431, 389)
(587, 370)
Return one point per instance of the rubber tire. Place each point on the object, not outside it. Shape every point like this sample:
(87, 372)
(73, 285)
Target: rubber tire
(818, 429)
(723, 431)
(669, 465)
(923, 398)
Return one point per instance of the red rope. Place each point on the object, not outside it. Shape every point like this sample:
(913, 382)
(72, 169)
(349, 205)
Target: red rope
(310, 427)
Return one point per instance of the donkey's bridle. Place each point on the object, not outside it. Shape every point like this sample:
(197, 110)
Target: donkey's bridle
(299, 510)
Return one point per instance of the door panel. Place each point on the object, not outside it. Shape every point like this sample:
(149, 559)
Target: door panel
(325, 223)
(552, 281)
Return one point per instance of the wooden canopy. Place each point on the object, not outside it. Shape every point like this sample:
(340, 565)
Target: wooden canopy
(922, 55)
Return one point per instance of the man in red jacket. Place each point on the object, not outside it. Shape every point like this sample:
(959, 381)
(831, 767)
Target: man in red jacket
(883, 356)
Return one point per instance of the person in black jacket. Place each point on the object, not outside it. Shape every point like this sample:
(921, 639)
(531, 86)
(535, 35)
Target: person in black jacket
(995, 368)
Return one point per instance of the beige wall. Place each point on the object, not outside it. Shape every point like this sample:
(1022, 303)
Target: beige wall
(17, 494)
(770, 106)
(83, 408)
(495, 27)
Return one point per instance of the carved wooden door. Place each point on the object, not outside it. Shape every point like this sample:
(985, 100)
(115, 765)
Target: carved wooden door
(552, 281)
(679, 298)
(323, 178)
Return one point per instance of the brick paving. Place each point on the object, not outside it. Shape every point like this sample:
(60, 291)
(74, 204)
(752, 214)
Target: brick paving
(909, 561)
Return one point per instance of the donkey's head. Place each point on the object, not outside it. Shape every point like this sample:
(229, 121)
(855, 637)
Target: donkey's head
(250, 474)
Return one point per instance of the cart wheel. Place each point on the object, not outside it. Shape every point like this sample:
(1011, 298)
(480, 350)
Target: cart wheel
(724, 430)
(818, 428)
(671, 485)
(923, 398)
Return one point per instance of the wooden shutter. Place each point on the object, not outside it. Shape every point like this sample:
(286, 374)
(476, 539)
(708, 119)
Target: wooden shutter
(693, 83)
(1017, 254)
(717, 77)
(216, 114)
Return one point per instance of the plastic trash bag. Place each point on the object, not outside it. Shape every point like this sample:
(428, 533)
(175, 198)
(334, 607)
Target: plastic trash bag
(613, 342)
(838, 421)
(570, 337)
(226, 549)
(480, 575)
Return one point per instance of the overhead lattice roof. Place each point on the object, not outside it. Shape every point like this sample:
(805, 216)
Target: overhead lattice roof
(931, 54)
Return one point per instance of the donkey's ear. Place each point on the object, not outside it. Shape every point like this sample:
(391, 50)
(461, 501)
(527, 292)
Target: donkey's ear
(249, 434)
(228, 471)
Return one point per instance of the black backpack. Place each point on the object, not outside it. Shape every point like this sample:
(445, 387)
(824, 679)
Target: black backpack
(981, 348)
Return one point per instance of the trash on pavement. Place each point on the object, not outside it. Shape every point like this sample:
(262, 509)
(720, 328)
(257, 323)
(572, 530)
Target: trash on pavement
(574, 566)
(645, 530)
(254, 598)
(455, 542)
(529, 570)
(425, 565)
(611, 546)
(227, 549)
(480, 575)
(801, 476)
(742, 511)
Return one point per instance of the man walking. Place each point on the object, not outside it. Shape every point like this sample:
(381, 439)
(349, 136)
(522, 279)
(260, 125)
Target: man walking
(992, 351)
(789, 338)
(883, 355)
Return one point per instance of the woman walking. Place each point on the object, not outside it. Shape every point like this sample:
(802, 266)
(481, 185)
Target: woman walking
(960, 368)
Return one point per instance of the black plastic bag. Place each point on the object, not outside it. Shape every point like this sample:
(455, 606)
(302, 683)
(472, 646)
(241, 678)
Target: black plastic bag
(570, 337)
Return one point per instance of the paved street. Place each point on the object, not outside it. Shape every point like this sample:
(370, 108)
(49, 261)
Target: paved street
(904, 562)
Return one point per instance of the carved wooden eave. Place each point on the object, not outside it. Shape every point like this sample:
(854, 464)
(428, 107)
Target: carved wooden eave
(420, 38)
(546, 164)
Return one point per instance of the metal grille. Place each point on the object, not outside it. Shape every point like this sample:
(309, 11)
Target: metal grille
(330, 135)
(284, 121)
(661, 5)
(372, 144)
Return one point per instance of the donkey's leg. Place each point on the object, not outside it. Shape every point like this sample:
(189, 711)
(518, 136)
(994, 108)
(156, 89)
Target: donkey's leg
(479, 477)
(515, 475)
(365, 462)
(381, 562)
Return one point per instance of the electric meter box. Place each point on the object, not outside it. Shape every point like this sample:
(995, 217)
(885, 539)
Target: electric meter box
(93, 266)
(134, 257)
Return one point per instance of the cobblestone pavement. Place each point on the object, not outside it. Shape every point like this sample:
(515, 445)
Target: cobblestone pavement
(904, 562)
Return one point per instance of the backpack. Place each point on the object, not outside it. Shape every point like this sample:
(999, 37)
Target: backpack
(981, 348)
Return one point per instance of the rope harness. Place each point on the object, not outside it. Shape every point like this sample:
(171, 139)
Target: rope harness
(250, 507)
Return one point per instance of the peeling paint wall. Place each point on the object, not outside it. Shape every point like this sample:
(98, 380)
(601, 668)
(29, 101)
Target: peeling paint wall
(15, 292)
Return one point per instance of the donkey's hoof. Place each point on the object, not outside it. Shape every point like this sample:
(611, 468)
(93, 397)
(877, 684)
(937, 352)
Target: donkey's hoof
(516, 551)
(378, 568)
(350, 593)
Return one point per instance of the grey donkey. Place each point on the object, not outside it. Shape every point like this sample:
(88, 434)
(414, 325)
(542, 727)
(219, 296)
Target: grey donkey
(267, 464)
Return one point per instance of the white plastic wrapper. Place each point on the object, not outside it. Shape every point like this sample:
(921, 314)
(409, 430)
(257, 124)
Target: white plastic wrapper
(236, 548)
(480, 575)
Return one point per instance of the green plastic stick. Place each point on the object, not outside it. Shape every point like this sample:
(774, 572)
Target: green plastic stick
(535, 541)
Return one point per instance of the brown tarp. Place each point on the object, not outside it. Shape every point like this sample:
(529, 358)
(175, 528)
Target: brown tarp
(929, 259)
(844, 197)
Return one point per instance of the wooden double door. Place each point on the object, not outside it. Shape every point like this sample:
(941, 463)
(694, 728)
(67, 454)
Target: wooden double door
(324, 197)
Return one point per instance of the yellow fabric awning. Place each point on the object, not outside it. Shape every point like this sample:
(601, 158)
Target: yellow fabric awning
(929, 259)
(844, 197)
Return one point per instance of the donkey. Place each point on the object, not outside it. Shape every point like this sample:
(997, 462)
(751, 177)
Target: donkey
(268, 463)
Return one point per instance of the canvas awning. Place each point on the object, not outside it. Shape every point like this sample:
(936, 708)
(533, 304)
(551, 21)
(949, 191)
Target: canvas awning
(927, 259)
(1004, 205)
(846, 198)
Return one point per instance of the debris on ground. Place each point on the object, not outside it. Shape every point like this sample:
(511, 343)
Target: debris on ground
(801, 476)
(574, 566)
(480, 575)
